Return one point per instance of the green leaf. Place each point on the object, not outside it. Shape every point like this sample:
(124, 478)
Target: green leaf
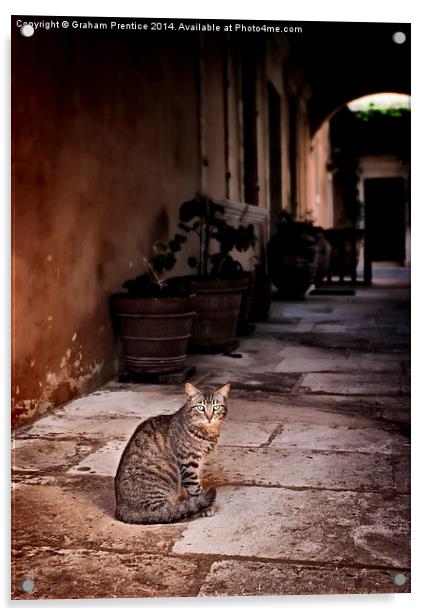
(192, 262)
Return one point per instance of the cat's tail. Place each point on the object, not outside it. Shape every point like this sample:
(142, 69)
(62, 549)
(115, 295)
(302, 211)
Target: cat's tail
(167, 512)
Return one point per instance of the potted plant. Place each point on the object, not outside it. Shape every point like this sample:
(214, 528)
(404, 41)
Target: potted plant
(220, 280)
(293, 257)
(154, 318)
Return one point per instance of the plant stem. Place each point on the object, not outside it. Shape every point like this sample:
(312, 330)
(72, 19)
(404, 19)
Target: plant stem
(207, 238)
(152, 274)
(200, 235)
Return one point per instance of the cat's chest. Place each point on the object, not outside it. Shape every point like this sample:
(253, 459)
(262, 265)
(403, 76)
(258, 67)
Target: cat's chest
(197, 448)
(202, 447)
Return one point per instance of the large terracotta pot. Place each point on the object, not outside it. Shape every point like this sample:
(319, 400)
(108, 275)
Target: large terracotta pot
(154, 331)
(293, 257)
(217, 304)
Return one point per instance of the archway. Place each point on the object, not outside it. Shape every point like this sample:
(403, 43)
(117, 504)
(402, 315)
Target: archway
(360, 169)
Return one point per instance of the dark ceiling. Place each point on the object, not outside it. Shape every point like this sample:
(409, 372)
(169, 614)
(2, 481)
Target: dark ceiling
(343, 61)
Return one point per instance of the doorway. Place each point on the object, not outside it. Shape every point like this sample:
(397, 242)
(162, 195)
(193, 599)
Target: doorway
(385, 218)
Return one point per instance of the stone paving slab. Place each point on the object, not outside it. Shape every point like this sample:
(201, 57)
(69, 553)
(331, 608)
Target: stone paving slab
(312, 309)
(349, 340)
(281, 383)
(309, 359)
(376, 362)
(80, 514)
(284, 328)
(354, 384)
(395, 345)
(102, 462)
(246, 434)
(330, 328)
(242, 360)
(312, 359)
(382, 408)
(234, 577)
(110, 402)
(303, 525)
(377, 407)
(268, 467)
(81, 428)
(401, 463)
(82, 573)
(42, 454)
(364, 357)
(365, 440)
(261, 347)
(241, 409)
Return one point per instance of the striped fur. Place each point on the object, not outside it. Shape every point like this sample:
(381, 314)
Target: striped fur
(166, 454)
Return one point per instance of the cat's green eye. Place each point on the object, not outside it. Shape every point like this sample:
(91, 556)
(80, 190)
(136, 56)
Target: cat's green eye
(217, 407)
(201, 407)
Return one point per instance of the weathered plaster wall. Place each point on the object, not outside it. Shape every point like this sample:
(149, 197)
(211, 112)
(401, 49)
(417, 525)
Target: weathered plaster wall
(320, 180)
(303, 160)
(275, 59)
(338, 202)
(213, 93)
(235, 154)
(105, 149)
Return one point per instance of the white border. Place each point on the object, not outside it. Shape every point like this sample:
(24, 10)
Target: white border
(328, 10)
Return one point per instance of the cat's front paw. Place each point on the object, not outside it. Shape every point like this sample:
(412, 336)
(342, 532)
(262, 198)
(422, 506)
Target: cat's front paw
(208, 513)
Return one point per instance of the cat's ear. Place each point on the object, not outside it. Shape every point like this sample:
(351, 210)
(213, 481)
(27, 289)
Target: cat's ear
(191, 390)
(224, 390)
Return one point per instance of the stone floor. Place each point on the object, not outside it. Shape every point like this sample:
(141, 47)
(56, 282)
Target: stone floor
(312, 469)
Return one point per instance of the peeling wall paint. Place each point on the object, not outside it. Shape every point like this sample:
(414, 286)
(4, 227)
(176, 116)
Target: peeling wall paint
(63, 381)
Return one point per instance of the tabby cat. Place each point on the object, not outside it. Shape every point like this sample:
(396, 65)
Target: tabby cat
(164, 455)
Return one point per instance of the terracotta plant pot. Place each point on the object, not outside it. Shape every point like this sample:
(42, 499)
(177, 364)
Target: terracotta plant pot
(293, 258)
(154, 331)
(217, 304)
